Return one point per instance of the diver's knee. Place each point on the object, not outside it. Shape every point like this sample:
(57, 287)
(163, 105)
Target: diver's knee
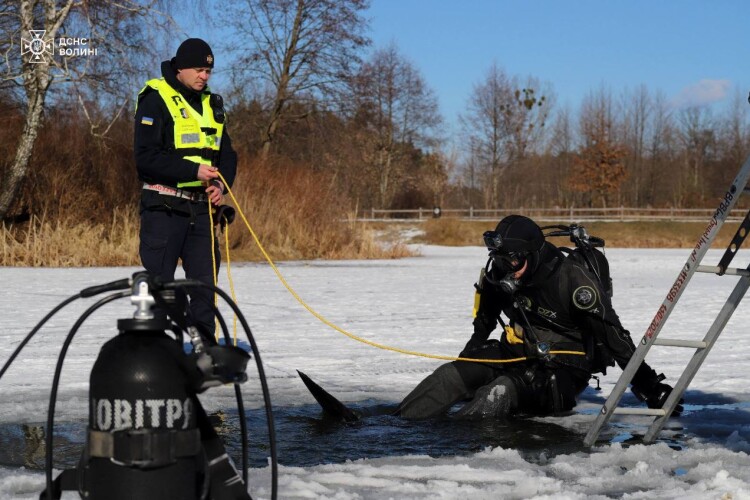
(497, 399)
(435, 394)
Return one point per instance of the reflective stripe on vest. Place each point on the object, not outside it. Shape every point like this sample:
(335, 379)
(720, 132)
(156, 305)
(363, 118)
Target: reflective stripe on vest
(190, 126)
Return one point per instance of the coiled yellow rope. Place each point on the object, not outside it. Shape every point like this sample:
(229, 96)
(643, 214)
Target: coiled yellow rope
(231, 282)
(213, 264)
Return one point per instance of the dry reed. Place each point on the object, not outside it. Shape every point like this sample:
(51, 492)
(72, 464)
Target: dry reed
(68, 242)
(295, 213)
(299, 215)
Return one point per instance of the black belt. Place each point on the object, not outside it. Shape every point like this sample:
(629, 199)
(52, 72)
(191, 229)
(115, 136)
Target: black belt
(177, 192)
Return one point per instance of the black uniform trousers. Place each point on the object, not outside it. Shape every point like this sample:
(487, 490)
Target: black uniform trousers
(169, 235)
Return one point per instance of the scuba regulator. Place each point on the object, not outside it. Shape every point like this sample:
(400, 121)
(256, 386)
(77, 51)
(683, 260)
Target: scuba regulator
(148, 436)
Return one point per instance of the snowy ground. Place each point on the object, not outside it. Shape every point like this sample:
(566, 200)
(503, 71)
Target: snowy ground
(424, 304)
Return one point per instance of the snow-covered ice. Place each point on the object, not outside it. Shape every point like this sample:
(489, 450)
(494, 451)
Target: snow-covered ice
(422, 304)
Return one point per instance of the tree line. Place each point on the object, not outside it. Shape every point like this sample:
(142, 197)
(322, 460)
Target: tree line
(307, 89)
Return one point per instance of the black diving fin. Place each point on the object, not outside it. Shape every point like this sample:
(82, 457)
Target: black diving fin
(331, 406)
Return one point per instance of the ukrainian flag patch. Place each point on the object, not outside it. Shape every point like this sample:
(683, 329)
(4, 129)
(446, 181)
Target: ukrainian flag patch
(147, 121)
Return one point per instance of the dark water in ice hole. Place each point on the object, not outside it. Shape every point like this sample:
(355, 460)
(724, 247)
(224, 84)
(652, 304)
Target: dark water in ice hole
(306, 437)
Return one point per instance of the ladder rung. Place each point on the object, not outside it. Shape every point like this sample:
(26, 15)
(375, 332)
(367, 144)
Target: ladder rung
(733, 271)
(653, 412)
(695, 344)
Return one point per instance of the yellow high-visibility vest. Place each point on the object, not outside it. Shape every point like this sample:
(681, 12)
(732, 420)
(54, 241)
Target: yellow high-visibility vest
(197, 135)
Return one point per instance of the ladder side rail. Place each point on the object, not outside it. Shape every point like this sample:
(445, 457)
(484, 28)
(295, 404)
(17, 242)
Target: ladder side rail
(703, 245)
(734, 245)
(655, 327)
(730, 306)
(613, 400)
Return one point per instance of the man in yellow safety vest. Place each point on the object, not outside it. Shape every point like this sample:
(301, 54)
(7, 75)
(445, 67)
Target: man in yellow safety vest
(181, 146)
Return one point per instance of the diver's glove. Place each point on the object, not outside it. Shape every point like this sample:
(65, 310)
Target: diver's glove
(655, 394)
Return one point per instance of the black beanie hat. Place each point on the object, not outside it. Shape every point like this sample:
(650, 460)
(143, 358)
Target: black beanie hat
(193, 53)
(520, 234)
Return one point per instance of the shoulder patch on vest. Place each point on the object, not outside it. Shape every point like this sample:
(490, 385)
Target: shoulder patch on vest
(584, 297)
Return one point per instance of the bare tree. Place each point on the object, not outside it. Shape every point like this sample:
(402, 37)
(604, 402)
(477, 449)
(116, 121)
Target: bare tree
(395, 103)
(527, 117)
(297, 49)
(486, 129)
(504, 119)
(735, 131)
(636, 106)
(562, 138)
(562, 146)
(698, 135)
(435, 171)
(470, 172)
(661, 150)
(75, 46)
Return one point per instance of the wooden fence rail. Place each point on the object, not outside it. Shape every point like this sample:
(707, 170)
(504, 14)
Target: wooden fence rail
(566, 215)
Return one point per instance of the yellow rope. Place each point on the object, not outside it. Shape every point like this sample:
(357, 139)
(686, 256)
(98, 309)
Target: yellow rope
(229, 271)
(231, 282)
(325, 321)
(213, 264)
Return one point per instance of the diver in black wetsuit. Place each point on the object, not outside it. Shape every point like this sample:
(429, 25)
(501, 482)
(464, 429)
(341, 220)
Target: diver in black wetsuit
(561, 329)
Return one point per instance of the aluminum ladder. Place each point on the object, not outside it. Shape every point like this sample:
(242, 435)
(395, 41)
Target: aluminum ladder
(702, 348)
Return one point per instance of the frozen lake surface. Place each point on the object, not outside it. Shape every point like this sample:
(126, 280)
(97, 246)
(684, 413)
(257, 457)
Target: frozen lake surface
(421, 304)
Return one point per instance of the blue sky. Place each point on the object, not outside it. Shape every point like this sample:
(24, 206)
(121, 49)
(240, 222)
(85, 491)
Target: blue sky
(694, 51)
